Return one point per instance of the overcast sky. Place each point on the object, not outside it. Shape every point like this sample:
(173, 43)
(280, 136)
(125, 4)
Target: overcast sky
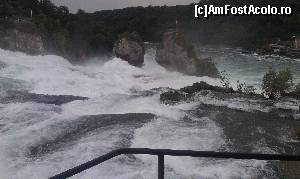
(96, 5)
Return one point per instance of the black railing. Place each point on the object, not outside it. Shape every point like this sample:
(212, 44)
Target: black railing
(162, 152)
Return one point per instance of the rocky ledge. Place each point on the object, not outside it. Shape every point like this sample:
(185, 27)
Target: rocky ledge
(173, 96)
(21, 35)
(23, 96)
(176, 54)
(203, 95)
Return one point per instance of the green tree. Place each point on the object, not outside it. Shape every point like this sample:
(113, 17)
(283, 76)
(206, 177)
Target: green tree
(276, 83)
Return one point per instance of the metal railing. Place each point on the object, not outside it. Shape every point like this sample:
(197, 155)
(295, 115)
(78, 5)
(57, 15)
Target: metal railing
(162, 152)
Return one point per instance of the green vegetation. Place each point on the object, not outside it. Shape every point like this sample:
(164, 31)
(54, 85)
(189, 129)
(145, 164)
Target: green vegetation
(91, 33)
(241, 87)
(246, 89)
(224, 76)
(276, 84)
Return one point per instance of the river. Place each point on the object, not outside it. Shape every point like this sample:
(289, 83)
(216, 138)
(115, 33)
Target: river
(106, 104)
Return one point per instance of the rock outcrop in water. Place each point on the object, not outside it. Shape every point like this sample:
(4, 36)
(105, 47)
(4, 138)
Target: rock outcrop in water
(175, 54)
(173, 96)
(23, 97)
(130, 47)
(21, 35)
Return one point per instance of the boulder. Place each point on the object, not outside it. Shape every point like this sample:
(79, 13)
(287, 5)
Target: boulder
(21, 35)
(175, 54)
(130, 47)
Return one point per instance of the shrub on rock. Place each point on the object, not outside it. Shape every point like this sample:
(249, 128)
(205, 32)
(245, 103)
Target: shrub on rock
(276, 84)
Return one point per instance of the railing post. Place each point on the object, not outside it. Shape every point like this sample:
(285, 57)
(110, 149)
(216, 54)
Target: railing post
(161, 167)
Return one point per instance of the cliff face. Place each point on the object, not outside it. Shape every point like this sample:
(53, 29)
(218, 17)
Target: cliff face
(175, 54)
(21, 36)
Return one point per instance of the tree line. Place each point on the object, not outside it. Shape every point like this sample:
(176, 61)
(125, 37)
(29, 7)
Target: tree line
(94, 33)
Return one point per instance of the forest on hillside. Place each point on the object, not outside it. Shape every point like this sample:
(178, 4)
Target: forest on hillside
(95, 33)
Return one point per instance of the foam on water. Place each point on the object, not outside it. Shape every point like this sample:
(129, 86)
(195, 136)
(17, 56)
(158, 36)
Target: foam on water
(110, 86)
(54, 75)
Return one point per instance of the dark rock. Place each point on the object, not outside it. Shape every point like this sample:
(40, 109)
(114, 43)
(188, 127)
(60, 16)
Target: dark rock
(196, 87)
(21, 97)
(173, 96)
(21, 36)
(175, 54)
(130, 47)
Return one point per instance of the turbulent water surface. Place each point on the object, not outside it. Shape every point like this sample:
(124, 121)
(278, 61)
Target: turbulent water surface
(55, 115)
(246, 67)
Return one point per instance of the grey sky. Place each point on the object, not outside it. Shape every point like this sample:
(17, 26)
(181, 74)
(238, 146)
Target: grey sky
(96, 5)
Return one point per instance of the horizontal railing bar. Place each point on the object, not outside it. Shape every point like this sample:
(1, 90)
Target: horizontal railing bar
(210, 154)
(169, 152)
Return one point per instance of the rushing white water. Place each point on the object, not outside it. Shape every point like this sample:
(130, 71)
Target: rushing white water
(112, 88)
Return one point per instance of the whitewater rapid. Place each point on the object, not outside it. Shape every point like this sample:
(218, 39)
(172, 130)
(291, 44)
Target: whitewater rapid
(114, 88)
